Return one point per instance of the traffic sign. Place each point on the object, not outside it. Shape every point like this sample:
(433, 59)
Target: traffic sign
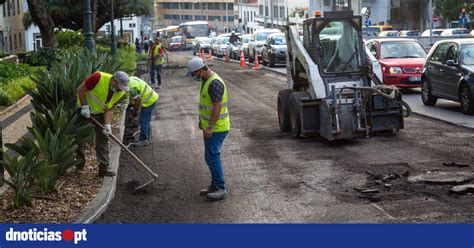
(367, 22)
(435, 18)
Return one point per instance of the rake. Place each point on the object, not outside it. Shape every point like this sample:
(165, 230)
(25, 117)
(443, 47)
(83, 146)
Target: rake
(132, 154)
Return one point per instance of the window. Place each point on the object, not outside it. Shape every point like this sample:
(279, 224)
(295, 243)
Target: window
(275, 11)
(282, 12)
(131, 25)
(168, 17)
(213, 18)
(20, 42)
(229, 18)
(174, 6)
(186, 6)
(4, 10)
(439, 53)
(230, 6)
(327, 2)
(10, 42)
(260, 10)
(18, 6)
(8, 7)
(13, 7)
(15, 41)
(452, 53)
(197, 6)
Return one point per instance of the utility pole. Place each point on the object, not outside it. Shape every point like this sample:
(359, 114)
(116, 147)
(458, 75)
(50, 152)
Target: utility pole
(226, 16)
(430, 13)
(88, 41)
(113, 45)
(270, 12)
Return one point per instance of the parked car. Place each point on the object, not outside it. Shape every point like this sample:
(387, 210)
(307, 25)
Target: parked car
(390, 33)
(375, 30)
(245, 45)
(213, 45)
(203, 43)
(409, 33)
(221, 46)
(458, 32)
(274, 50)
(449, 74)
(401, 60)
(435, 32)
(176, 43)
(256, 42)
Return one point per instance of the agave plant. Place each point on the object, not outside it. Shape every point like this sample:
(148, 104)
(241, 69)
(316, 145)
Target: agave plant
(23, 171)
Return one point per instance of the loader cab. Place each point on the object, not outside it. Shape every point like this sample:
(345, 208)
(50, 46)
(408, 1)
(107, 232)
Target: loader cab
(335, 44)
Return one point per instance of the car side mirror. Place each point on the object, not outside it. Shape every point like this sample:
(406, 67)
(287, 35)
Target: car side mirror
(451, 63)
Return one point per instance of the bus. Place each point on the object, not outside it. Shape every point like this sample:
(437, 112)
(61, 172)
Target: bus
(191, 30)
(168, 33)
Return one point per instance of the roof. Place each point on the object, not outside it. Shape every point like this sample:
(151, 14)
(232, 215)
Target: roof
(391, 39)
(458, 41)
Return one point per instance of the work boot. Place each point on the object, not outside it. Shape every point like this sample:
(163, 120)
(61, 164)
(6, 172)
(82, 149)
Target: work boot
(141, 143)
(219, 194)
(209, 189)
(104, 171)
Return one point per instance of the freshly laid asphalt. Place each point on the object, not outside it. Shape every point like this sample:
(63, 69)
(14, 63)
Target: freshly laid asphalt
(274, 178)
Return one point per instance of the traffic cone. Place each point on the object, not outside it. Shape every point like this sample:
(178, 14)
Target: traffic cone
(242, 59)
(209, 55)
(257, 65)
(227, 59)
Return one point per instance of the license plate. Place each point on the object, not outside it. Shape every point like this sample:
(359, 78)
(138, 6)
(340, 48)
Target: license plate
(414, 78)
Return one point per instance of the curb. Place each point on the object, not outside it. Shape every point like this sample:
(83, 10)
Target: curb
(107, 191)
(16, 104)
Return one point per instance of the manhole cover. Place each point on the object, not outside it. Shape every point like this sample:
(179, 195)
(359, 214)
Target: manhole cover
(441, 177)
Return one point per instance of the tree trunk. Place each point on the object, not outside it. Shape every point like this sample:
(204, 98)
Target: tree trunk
(40, 16)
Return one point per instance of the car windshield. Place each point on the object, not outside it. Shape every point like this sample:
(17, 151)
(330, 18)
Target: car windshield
(437, 32)
(412, 33)
(467, 52)
(460, 31)
(279, 40)
(403, 49)
(176, 40)
(340, 48)
(262, 36)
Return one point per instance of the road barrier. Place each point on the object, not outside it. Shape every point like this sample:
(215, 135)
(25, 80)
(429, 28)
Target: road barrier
(242, 59)
(257, 64)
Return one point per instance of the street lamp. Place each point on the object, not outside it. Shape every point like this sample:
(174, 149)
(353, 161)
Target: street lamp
(113, 45)
(87, 26)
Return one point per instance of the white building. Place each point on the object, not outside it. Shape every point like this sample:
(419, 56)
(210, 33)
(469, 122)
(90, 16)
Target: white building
(247, 11)
(131, 28)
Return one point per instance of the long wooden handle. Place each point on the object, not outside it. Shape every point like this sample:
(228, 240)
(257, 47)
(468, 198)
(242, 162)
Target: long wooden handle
(126, 149)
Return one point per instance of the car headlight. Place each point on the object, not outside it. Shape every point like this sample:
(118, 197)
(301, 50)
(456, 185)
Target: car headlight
(395, 70)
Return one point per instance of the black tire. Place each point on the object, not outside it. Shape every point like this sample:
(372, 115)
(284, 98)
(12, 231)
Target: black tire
(295, 112)
(426, 97)
(284, 110)
(466, 98)
(264, 63)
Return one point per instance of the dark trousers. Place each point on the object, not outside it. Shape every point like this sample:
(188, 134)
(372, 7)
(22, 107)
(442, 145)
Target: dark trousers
(101, 143)
(155, 70)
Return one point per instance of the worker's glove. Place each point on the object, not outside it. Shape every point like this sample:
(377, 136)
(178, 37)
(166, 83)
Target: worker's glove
(107, 129)
(86, 111)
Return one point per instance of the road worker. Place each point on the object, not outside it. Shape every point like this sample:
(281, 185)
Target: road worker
(213, 121)
(98, 96)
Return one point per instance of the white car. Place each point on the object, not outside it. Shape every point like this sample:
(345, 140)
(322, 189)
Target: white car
(222, 42)
(436, 32)
(389, 33)
(457, 32)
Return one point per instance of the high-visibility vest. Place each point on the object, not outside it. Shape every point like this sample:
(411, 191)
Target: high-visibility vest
(158, 60)
(206, 106)
(97, 97)
(146, 94)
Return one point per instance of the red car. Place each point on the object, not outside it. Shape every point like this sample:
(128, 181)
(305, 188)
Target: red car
(400, 59)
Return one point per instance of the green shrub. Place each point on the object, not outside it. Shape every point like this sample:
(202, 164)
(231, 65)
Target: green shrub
(69, 38)
(141, 57)
(23, 171)
(128, 58)
(5, 99)
(14, 88)
(10, 71)
(45, 56)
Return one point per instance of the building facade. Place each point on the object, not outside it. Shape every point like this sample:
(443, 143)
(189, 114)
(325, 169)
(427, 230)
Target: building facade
(247, 11)
(219, 13)
(12, 32)
(131, 27)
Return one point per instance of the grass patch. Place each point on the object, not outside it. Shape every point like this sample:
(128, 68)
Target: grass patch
(11, 91)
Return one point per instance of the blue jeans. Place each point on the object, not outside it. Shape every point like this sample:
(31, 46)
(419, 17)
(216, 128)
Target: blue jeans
(157, 69)
(212, 154)
(145, 119)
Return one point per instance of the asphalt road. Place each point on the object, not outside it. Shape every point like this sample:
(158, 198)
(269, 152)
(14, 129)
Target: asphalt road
(274, 178)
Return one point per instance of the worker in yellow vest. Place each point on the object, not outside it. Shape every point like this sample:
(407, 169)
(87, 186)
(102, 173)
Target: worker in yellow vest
(157, 61)
(97, 97)
(214, 121)
(143, 96)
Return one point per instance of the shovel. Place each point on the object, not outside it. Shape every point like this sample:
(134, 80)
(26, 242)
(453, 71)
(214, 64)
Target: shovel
(133, 155)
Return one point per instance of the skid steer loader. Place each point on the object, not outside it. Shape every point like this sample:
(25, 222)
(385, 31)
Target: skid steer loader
(329, 83)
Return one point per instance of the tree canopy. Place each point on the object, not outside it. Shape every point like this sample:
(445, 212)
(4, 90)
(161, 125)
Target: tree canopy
(451, 9)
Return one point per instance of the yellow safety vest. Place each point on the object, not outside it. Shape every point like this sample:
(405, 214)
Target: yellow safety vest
(206, 106)
(158, 60)
(96, 97)
(146, 94)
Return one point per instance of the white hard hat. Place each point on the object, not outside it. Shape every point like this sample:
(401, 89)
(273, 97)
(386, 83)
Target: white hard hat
(194, 65)
(122, 80)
